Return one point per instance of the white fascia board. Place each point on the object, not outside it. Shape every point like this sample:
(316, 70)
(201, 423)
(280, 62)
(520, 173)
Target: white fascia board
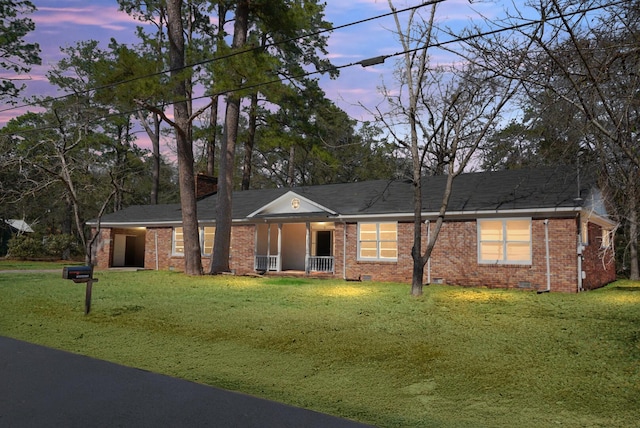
(466, 214)
(125, 225)
(591, 216)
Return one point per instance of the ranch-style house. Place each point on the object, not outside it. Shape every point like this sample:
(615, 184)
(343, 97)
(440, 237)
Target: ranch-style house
(543, 229)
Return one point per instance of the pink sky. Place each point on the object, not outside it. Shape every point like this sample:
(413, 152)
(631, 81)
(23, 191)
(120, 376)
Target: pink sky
(61, 23)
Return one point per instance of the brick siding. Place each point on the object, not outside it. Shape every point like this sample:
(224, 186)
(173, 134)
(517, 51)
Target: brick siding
(454, 259)
(598, 263)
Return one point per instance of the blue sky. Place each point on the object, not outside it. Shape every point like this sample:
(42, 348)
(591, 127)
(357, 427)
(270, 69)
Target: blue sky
(61, 23)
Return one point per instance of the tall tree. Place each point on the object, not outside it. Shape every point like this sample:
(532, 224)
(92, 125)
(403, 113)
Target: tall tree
(310, 141)
(592, 70)
(222, 240)
(289, 33)
(439, 117)
(16, 55)
(82, 159)
(184, 142)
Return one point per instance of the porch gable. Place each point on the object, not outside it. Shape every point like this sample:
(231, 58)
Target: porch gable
(291, 203)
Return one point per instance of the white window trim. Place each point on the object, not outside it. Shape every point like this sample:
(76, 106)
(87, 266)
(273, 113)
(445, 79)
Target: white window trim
(175, 253)
(201, 232)
(503, 261)
(607, 239)
(378, 258)
(584, 232)
(173, 242)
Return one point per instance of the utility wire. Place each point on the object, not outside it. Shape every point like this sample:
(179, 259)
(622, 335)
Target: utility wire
(232, 54)
(371, 61)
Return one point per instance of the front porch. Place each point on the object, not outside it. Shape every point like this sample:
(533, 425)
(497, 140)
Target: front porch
(295, 247)
(269, 263)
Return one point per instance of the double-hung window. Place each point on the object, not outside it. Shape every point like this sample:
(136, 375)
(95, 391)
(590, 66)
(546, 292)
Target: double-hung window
(178, 241)
(206, 233)
(606, 238)
(378, 241)
(504, 241)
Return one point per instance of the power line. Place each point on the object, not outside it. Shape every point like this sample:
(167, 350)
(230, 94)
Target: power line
(370, 61)
(230, 55)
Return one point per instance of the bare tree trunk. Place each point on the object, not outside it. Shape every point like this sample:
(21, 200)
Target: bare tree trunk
(292, 170)
(211, 143)
(634, 273)
(222, 240)
(415, 63)
(213, 121)
(155, 173)
(154, 136)
(416, 251)
(184, 144)
(249, 144)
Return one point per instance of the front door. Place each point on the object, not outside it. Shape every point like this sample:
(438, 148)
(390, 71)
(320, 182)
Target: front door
(323, 243)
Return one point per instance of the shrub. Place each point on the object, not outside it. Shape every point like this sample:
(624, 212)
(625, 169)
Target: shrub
(51, 246)
(62, 246)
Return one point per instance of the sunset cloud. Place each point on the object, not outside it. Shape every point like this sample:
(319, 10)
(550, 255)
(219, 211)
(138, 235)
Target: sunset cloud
(105, 17)
(65, 23)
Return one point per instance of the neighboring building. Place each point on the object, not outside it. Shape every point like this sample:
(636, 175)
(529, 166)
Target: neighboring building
(537, 229)
(10, 228)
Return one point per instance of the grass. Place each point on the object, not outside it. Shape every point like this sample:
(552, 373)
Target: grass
(9, 264)
(455, 357)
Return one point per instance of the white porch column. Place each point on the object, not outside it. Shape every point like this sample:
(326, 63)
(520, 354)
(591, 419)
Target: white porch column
(255, 247)
(268, 240)
(306, 247)
(279, 247)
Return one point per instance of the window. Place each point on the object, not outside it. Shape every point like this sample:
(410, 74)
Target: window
(378, 241)
(207, 234)
(584, 232)
(606, 238)
(178, 241)
(505, 241)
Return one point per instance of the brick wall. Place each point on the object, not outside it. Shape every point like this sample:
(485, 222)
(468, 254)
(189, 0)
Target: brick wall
(158, 250)
(242, 249)
(102, 250)
(598, 263)
(400, 271)
(454, 259)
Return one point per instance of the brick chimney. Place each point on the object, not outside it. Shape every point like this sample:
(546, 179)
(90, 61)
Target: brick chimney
(205, 185)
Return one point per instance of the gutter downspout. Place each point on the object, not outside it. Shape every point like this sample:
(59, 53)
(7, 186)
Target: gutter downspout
(546, 246)
(427, 224)
(344, 250)
(579, 251)
(156, 244)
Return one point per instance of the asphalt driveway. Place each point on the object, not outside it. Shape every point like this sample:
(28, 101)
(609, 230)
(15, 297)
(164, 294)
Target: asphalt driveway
(44, 387)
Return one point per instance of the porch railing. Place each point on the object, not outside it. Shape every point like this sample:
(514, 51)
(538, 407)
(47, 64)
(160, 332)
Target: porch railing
(320, 264)
(266, 263)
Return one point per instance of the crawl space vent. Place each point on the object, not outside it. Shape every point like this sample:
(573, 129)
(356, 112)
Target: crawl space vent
(524, 284)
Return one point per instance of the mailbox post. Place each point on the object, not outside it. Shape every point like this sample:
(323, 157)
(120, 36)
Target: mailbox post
(80, 275)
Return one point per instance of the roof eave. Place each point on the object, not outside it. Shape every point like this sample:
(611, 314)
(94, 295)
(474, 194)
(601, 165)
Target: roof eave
(536, 212)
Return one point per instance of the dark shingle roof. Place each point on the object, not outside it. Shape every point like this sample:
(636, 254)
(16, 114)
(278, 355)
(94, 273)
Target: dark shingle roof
(525, 189)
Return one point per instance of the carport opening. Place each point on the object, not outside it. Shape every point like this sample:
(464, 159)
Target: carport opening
(128, 248)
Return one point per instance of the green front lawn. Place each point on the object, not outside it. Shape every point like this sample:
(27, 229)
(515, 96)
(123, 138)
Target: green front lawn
(456, 357)
(9, 264)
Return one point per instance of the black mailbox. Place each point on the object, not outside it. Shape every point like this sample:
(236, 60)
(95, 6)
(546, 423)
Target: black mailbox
(77, 272)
